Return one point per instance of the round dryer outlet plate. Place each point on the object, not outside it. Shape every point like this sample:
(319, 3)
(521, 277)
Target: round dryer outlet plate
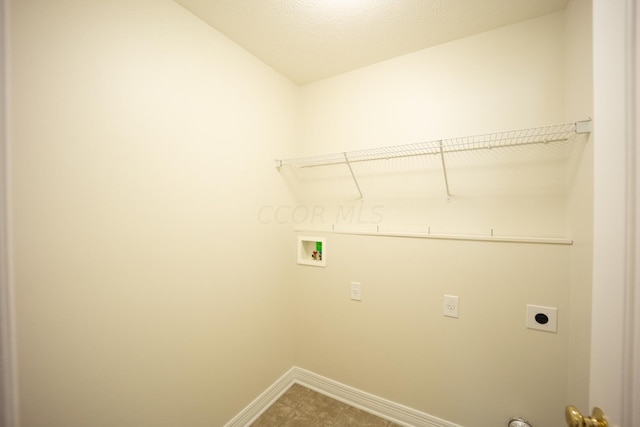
(518, 422)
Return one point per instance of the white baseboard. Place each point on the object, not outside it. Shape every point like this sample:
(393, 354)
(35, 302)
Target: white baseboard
(383, 408)
(251, 413)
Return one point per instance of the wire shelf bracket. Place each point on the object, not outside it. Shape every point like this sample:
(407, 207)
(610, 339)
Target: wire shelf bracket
(442, 147)
(444, 173)
(355, 181)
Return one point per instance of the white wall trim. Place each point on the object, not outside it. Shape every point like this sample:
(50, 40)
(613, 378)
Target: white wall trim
(632, 374)
(614, 310)
(264, 401)
(8, 374)
(368, 402)
(383, 408)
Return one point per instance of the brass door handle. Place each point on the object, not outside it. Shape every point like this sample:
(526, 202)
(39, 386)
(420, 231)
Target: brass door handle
(576, 419)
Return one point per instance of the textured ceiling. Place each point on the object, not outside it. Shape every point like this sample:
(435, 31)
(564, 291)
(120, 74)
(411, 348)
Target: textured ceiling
(308, 40)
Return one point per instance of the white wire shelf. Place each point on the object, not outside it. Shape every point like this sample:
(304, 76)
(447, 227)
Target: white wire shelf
(512, 138)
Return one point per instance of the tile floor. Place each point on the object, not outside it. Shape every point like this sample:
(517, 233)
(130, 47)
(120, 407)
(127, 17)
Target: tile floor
(302, 407)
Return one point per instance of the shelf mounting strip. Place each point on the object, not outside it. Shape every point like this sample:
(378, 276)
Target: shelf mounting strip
(512, 138)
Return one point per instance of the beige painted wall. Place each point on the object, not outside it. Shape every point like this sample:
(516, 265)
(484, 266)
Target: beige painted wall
(477, 370)
(148, 293)
(485, 366)
(496, 80)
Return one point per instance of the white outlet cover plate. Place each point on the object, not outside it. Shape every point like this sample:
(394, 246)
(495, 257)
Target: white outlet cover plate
(450, 308)
(542, 318)
(356, 291)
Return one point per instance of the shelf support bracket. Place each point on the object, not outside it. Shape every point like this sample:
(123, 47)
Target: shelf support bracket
(583, 126)
(444, 171)
(355, 181)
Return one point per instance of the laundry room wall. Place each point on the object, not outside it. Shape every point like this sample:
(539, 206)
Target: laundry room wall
(485, 366)
(141, 143)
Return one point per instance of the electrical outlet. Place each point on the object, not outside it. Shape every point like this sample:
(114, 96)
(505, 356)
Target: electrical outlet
(451, 308)
(542, 318)
(356, 291)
